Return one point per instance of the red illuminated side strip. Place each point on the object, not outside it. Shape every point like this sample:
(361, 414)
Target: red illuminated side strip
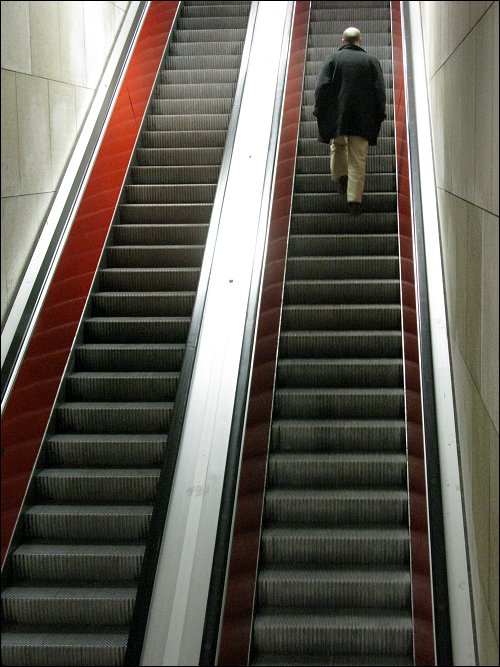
(423, 635)
(27, 412)
(238, 609)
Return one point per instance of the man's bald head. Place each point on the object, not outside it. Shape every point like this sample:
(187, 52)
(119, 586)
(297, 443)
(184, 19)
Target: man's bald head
(351, 36)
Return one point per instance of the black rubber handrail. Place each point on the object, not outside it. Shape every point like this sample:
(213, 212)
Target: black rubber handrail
(160, 510)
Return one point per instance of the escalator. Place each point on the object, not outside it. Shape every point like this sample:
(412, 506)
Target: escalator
(73, 578)
(334, 575)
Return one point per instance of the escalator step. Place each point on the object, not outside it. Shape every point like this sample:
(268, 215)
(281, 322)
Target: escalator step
(166, 234)
(214, 9)
(336, 506)
(333, 589)
(107, 485)
(172, 213)
(335, 546)
(337, 660)
(212, 75)
(340, 373)
(316, 470)
(152, 279)
(121, 386)
(337, 318)
(342, 223)
(130, 357)
(356, 631)
(339, 403)
(317, 268)
(78, 562)
(339, 435)
(72, 606)
(117, 523)
(207, 48)
(137, 330)
(204, 23)
(211, 105)
(98, 646)
(209, 36)
(172, 175)
(143, 304)
(342, 244)
(204, 62)
(358, 344)
(326, 203)
(197, 193)
(133, 417)
(341, 291)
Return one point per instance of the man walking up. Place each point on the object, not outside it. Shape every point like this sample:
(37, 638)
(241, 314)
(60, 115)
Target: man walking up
(350, 108)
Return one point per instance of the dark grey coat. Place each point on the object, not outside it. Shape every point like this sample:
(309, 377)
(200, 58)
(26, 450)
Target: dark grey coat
(350, 95)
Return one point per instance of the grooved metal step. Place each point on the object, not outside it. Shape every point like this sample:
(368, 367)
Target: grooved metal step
(342, 223)
(186, 212)
(85, 485)
(340, 373)
(340, 317)
(339, 403)
(45, 646)
(318, 268)
(77, 562)
(160, 234)
(335, 546)
(130, 357)
(384, 632)
(188, 37)
(339, 588)
(155, 304)
(341, 291)
(132, 417)
(320, 470)
(198, 193)
(101, 523)
(154, 279)
(321, 202)
(343, 435)
(352, 660)
(342, 244)
(71, 606)
(336, 507)
(207, 48)
(136, 330)
(121, 386)
(179, 77)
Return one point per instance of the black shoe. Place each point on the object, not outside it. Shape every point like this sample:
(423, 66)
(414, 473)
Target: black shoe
(354, 208)
(342, 185)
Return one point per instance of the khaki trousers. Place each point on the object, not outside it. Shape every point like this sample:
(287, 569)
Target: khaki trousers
(348, 158)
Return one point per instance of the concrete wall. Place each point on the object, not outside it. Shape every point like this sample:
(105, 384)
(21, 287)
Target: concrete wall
(461, 50)
(53, 56)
